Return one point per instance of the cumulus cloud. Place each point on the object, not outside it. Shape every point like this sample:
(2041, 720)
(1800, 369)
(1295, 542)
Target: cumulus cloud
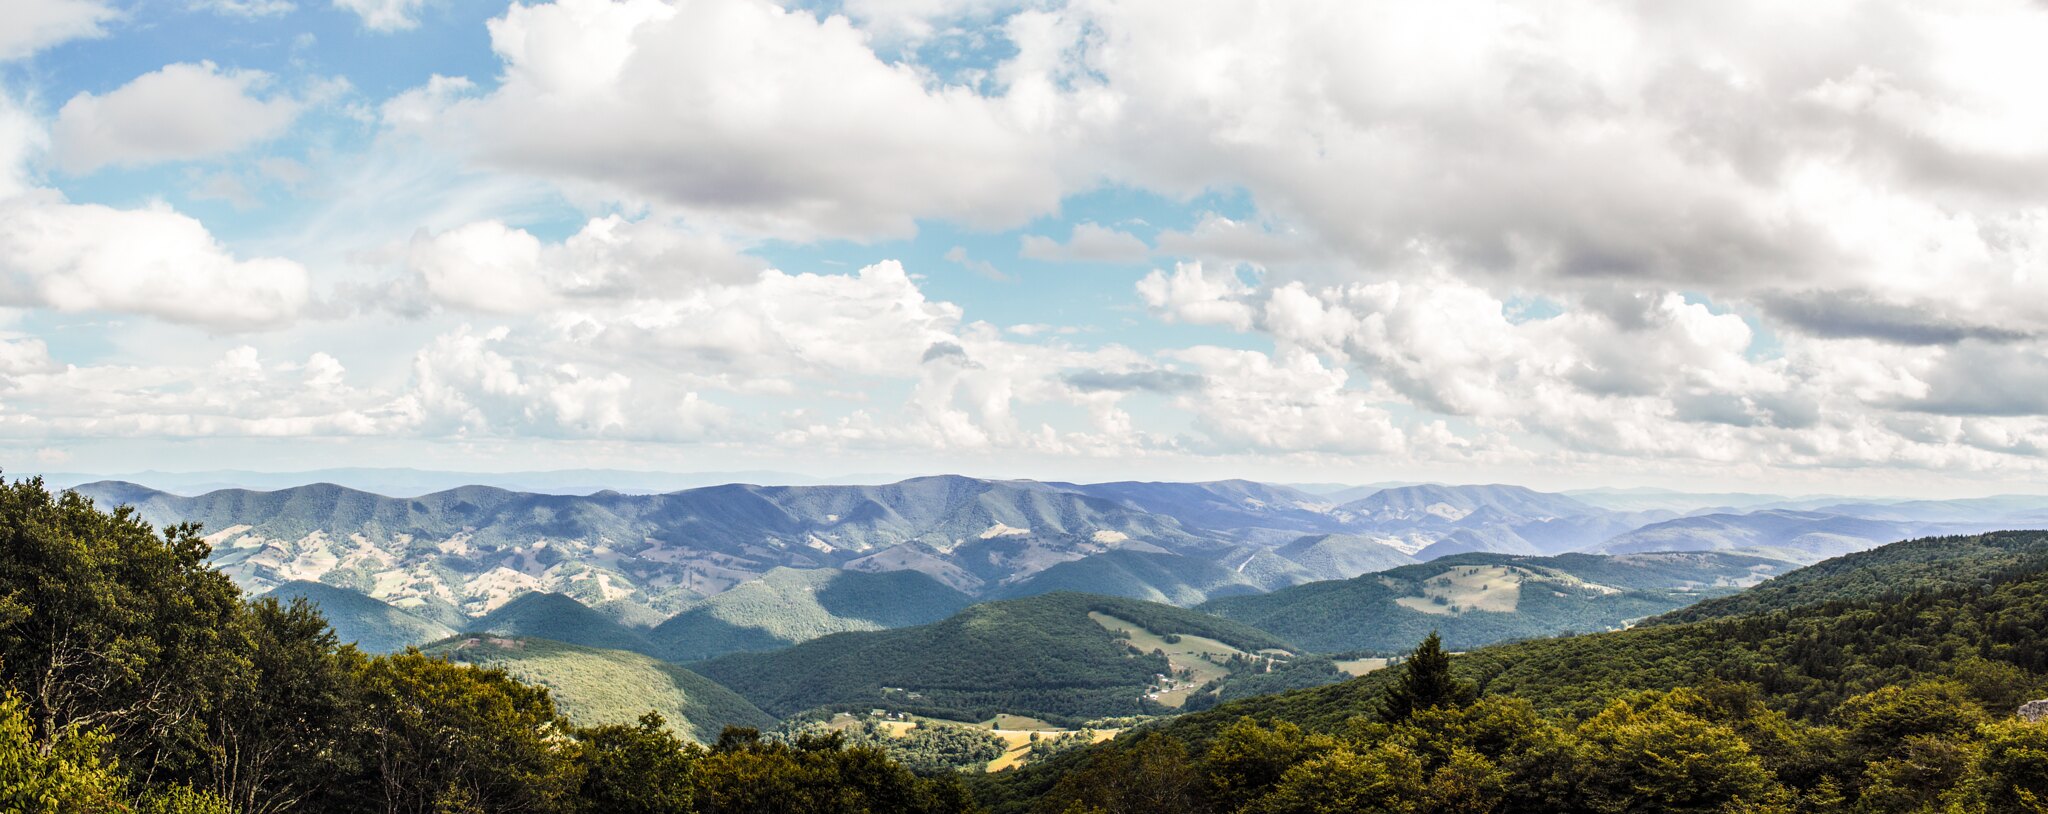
(155, 261)
(33, 25)
(765, 118)
(1193, 295)
(1292, 403)
(246, 395)
(180, 112)
(490, 267)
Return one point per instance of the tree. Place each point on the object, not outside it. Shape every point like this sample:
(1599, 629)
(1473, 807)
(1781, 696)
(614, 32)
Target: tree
(74, 771)
(67, 773)
(1247, 760)
(280, 739)
(106, 624)
(1652, 756)
(1425, 683)
(1151, 776)
(455, 737)
(1384, 778)
(2015, 767)
(746, 773)
(641, 769)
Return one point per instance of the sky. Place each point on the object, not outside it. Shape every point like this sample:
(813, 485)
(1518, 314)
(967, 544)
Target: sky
(1737, 245)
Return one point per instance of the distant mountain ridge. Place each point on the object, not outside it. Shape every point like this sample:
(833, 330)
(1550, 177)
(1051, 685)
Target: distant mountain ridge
(787, 606)
(454, 555)
(1479, 599)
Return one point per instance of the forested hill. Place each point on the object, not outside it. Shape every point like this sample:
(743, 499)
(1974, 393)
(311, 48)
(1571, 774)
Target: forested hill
(1050, 656)
(1930, 564)
(1479, 599)
(1901, 703)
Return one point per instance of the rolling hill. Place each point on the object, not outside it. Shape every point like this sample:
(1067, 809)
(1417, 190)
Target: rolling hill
(371, 625)
(1896, 570)
(1958, 647)
(1155, 577)
(787, 606)
(598, 686)
(1342, 556)
(1053, 656)
(560, 618)
(1480, 599)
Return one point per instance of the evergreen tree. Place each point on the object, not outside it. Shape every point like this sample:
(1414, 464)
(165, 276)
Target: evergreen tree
(1426, 683)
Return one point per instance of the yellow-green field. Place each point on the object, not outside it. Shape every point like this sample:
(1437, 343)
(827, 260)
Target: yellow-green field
(1202, 657)
(1019, 743)
(1015, 731)
(1468, 588)
(1359, 667)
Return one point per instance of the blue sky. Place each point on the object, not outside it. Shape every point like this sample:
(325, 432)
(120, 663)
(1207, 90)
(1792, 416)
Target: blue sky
(1606, 245)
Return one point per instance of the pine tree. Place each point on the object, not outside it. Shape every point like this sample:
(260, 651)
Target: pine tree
(1426, 683)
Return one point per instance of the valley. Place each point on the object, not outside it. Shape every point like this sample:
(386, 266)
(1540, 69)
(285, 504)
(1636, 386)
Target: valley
(1005, 688)
(967, 600)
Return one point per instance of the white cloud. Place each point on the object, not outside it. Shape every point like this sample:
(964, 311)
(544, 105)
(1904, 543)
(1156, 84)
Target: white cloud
(1292, 403)
(21, 137)
(244, 395)
(384, 15)
(472, 384)
(33, 25)
(181, 112)
(490, 267)
(1194, 296)
(87, 257)
(761, 118)
(484, 266)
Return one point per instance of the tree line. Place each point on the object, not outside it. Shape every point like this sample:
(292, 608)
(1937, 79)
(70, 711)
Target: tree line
(136, 679)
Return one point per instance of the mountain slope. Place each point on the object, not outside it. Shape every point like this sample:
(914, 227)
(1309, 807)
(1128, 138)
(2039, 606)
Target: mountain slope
(1930, 564)
(786, 606)
(1434, 503)
(1801, 536)
(372, 625)
(1342, 556)
(1251, 510)
(637, 555)
(1048, 656)
(598, 686)
(560, 618)
(1479, 599)
(1154, 577)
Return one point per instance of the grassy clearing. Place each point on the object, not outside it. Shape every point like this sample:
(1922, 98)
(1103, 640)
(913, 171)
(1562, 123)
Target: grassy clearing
(1201, 658)
(1019, 743)
(1016, 731)
(1359, 667)
(1467, 588)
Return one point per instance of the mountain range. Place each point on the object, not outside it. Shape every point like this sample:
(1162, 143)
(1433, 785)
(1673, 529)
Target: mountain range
(459, 554)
